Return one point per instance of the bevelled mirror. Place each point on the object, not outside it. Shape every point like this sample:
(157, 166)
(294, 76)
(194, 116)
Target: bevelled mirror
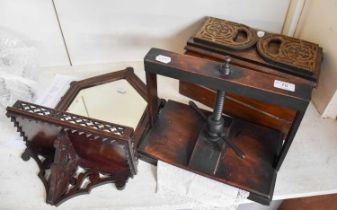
(89, 138)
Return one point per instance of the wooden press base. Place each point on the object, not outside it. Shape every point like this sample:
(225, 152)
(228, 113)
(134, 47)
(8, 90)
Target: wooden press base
(173, 139)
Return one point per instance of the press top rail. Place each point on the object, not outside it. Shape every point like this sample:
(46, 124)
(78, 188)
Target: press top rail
(258, 85)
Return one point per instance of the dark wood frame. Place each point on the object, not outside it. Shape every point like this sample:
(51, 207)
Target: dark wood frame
(127, 74)
(161, 144)
(63, 142)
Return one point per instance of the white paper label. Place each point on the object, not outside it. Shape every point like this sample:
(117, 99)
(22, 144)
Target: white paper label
(260, 34)
(163, 59)
(55, 91)
(284, 85)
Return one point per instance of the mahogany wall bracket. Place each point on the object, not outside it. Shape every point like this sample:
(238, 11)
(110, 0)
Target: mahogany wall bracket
(76, 152)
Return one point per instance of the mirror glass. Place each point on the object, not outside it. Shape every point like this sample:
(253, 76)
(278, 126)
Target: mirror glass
(115, 102)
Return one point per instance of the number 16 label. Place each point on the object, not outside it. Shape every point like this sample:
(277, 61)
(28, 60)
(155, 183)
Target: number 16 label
(284, 85)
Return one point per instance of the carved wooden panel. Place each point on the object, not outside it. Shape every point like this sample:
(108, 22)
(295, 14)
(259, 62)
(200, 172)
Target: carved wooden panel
(272, 53)
(226, 34)
(69, 176)
(294, 53)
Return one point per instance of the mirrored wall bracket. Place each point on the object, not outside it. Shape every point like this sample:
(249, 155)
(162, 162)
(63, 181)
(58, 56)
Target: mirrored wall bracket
(76, 152)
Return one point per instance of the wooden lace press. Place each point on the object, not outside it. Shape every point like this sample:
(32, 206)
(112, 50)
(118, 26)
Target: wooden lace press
(225, 148)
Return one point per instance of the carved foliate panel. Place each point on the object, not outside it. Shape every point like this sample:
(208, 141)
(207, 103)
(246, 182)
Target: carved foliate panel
(289, 51)
(69, 177)
(277, 51)
(62, 170)
(226, 34)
